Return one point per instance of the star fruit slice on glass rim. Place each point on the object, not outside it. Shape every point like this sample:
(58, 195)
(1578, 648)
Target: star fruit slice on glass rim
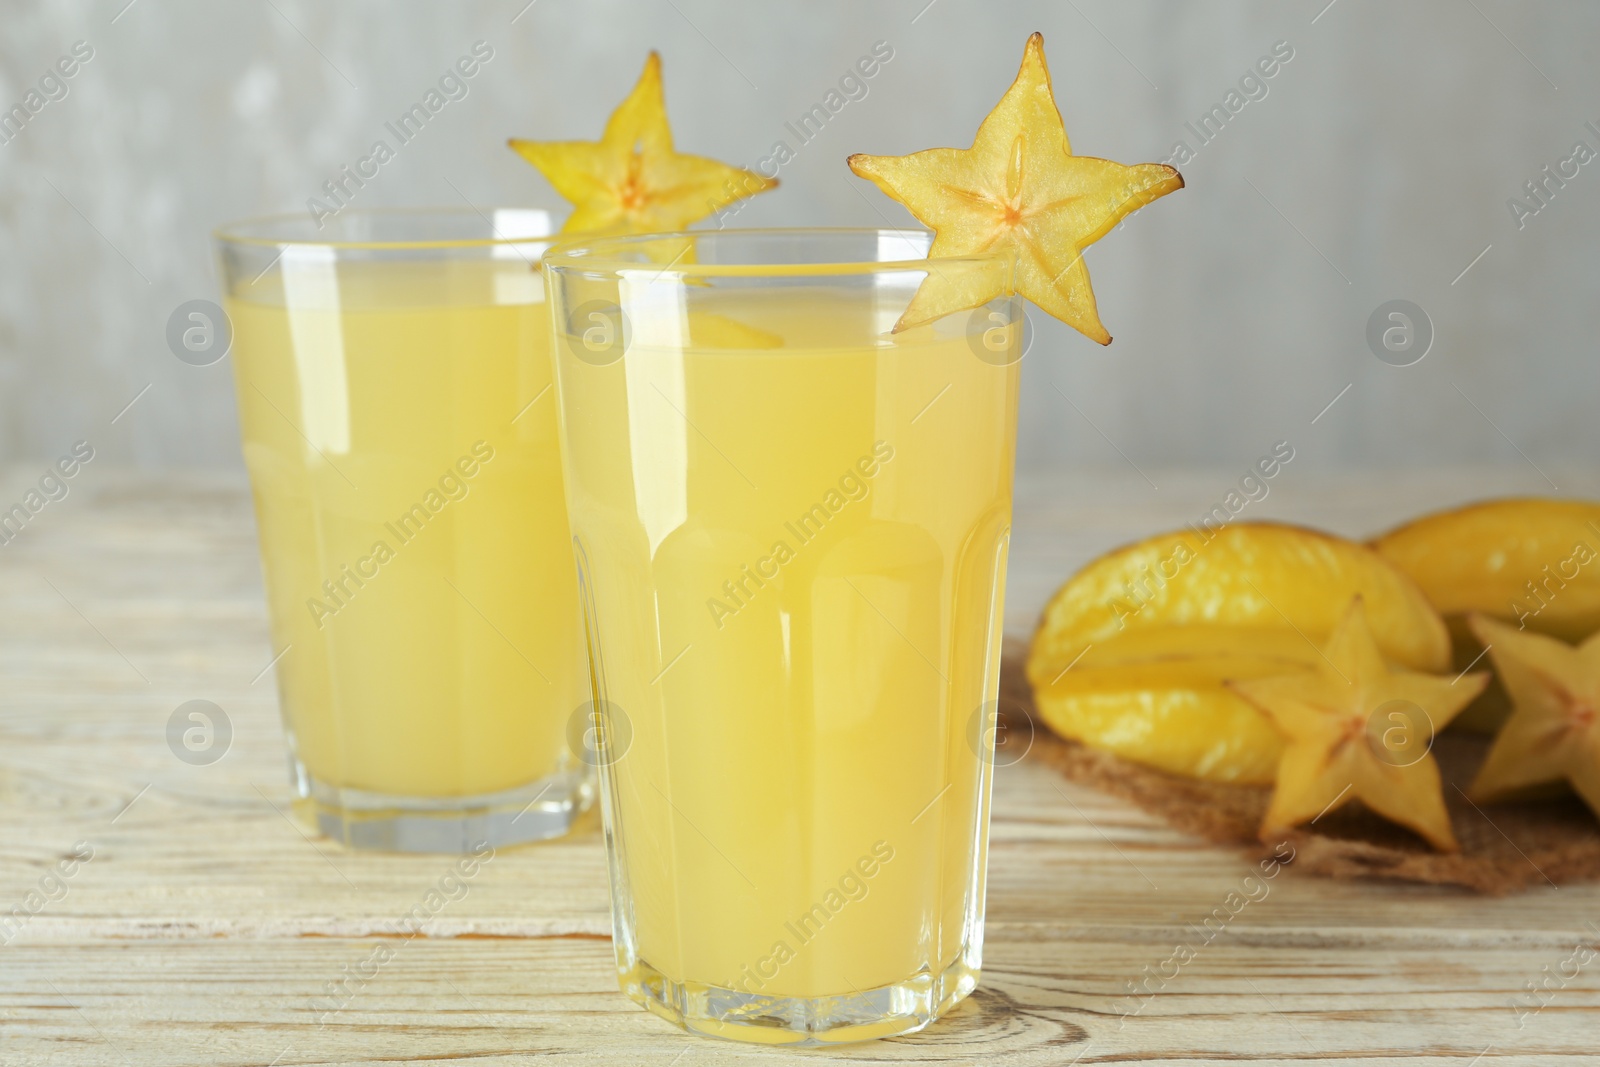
(1018, 186)
(632, 180)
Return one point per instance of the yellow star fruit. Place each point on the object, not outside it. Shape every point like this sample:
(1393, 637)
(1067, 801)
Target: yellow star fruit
(1357, 729)
(1131, 654)
(1019, 186)
(1554, 730)
(631, 180)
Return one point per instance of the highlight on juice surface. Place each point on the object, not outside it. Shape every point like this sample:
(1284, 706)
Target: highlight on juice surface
(790, 496)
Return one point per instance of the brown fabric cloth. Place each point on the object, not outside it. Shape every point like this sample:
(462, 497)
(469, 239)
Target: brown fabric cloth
(1504, 847)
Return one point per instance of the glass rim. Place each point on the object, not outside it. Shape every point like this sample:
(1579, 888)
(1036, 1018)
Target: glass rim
(237, 232)
(600, 254)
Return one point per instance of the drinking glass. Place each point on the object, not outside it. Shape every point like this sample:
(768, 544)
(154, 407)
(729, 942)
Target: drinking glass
(394, 388)
(791, 528)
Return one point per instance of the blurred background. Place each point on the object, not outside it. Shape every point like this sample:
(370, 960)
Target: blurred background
(1379, 162)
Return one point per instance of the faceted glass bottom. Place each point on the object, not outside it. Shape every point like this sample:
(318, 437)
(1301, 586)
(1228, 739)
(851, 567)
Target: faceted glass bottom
(378, 822)
(858, 1015)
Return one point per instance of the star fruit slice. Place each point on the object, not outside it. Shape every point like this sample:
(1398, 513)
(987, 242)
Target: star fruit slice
(1358, 729)
(1020, 187)
(1554, 731)
(632, 180)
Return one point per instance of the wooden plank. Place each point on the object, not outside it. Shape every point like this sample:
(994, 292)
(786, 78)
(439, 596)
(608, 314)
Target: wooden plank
(1044, 1000)
(206, 927)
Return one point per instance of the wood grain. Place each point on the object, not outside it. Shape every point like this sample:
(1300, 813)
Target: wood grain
(206, 927)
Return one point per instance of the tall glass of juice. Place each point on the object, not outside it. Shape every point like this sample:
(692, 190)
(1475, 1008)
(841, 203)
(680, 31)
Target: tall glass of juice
(791, 527)
(395, 395)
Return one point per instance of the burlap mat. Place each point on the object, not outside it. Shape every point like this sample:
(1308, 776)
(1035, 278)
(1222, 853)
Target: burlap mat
(1504, 847)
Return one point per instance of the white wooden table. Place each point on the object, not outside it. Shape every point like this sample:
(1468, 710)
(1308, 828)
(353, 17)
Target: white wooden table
(206, 928)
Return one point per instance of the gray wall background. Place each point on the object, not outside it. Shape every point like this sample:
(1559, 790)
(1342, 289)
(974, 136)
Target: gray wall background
(1377, 167)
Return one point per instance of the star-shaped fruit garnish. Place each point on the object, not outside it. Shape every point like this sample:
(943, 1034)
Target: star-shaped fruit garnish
(1357, 729)
(1019, 186)
(631, 180)
(1554, 729)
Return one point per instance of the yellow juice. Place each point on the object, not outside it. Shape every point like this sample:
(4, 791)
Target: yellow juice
(400, 432)
(793, 543)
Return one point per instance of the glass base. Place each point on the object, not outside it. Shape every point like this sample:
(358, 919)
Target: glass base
(859, 1015)
(378, 822)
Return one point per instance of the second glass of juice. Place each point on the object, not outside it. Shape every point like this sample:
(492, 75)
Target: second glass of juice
(395, 395)
(791, 526)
